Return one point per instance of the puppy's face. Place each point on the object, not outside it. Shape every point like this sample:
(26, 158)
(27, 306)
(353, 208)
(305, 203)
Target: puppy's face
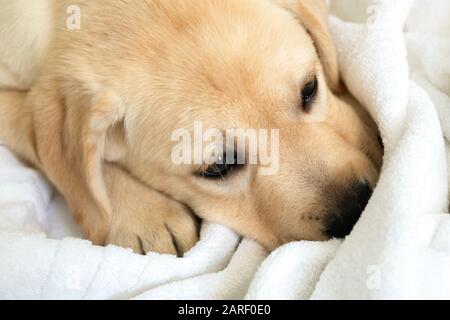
(243, 65)
(251, 66)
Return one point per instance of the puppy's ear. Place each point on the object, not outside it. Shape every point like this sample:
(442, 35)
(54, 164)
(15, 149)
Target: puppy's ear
(103, 139)
(313, 15)
(74, 131)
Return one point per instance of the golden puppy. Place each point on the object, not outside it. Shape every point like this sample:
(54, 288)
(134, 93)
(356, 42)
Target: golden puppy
(106, 97)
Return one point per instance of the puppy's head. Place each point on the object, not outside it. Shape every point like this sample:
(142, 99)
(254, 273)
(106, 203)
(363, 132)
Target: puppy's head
(161, 66)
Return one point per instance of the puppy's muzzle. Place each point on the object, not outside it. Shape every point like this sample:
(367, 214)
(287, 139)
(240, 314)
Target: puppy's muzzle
(351, 206)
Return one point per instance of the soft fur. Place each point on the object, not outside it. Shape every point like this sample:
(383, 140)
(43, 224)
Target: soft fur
(103, 101)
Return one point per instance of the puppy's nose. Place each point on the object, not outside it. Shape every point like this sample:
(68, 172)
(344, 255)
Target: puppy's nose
(349, 210)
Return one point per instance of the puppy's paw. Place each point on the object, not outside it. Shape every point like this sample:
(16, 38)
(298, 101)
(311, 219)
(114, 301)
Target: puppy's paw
(164, 227)
(147, 221)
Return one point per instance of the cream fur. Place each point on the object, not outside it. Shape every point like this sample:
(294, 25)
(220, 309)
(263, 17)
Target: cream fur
(104, 100)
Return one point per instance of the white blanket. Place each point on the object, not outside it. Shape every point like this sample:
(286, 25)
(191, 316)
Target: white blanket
(395, 58)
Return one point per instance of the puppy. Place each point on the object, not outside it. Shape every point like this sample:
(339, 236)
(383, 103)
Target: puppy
(100, 102)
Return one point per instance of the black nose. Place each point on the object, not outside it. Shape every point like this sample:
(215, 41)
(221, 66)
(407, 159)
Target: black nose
(350, 207)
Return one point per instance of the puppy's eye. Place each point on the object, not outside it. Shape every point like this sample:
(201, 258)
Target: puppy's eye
(220, 170)
(309, 92)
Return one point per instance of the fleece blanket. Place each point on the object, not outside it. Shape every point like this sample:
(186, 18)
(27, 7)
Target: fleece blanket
(395, 59)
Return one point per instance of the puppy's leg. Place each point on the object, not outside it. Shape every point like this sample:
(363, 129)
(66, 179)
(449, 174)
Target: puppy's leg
(144, 219)
(16, 124)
